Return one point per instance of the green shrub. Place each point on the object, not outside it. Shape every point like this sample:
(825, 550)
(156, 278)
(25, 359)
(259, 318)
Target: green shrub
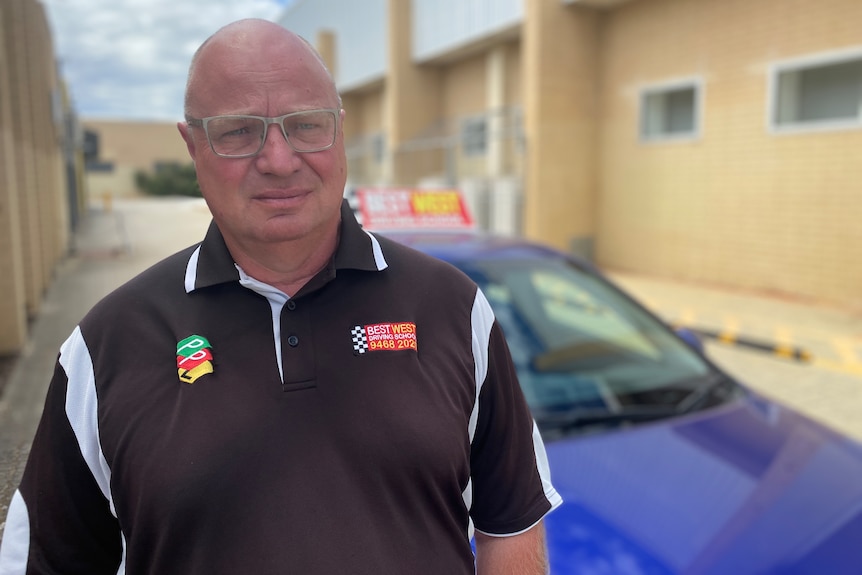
(169, 180)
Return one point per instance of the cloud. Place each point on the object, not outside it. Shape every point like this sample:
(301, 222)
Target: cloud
(128, 59)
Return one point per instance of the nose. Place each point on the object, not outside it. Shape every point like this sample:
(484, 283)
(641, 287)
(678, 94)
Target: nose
(277, 156)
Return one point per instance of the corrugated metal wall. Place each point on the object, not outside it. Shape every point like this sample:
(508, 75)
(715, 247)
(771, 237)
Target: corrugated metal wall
(443, 25)
(360, 30)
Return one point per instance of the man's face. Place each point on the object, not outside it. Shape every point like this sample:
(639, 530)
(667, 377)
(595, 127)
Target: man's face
(280, 194)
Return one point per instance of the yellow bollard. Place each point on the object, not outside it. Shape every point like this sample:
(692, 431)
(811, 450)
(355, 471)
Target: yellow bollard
(107, 202)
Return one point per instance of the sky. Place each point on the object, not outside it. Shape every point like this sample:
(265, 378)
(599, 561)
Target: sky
(128, 59)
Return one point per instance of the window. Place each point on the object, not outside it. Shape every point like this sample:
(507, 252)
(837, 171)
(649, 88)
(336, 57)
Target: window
(474, 136)
(517, 120)
(99, 166)
(378, 148)
(91, 145)
(671, 111)
(820, 92)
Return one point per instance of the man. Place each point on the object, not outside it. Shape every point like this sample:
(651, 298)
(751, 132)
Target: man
(224, 413)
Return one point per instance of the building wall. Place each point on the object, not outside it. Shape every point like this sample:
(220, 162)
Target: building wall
(129, 147)
(412, 104)
(509, 113)
(34, 206)
(13, 320)
(740, 204)
(514, 73)
(363, 126)
(561, 96)
(463, 87)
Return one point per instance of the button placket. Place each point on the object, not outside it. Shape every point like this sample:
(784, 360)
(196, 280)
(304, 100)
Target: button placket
(299, 362)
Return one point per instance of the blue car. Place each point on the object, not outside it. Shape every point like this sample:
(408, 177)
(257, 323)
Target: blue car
(666, 464)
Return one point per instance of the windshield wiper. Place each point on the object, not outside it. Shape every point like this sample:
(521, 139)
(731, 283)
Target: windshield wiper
(563, 420)
(714, 383)
(580, 417)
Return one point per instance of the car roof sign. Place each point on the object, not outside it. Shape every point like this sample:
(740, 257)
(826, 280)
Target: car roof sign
(390, 208)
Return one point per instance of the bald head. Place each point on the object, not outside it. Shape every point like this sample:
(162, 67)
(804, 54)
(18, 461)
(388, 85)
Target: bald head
(245, 43)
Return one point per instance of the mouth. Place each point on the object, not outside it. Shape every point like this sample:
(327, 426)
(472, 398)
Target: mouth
(285, 198)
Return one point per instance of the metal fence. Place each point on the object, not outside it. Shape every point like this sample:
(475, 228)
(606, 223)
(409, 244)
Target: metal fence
(483, 155)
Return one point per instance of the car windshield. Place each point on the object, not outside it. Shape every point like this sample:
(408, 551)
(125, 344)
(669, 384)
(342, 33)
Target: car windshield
(582, 347)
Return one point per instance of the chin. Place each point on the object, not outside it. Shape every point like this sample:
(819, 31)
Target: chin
(286, 231)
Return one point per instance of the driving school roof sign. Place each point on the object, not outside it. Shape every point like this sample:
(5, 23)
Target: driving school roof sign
(408, 208)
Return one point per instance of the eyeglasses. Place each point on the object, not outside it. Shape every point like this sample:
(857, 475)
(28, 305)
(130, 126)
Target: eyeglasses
(240, 136)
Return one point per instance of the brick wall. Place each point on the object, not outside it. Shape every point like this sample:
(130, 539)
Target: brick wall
(13, 321)
(738, 205)
(34, 211)
(130, 146)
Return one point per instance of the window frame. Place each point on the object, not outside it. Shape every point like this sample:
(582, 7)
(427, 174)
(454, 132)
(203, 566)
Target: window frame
(798, 64)
(694, 82)
(100, 166)
(467, 123)
(377, 142)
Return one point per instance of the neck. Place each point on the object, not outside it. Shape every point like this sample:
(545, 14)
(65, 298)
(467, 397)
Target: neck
(286, 265)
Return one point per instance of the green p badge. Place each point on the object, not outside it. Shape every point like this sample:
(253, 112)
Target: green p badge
(194, 358)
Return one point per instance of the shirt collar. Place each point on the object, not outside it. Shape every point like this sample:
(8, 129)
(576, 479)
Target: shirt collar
(212, 264)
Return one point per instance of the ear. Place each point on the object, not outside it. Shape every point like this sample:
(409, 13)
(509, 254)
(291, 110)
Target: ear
(188, 137)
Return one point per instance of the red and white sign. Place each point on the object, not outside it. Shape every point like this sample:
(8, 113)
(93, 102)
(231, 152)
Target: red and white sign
(409, 208)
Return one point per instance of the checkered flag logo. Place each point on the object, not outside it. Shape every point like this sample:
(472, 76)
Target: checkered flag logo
(360, 341)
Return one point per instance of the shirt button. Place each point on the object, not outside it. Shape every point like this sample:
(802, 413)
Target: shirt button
(291, 305)
(293, 341)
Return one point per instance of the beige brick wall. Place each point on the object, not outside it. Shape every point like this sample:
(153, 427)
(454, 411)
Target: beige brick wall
(739, 205)
(104, 187)
(412, 100)
(13, 320)
(514, 161)
(560, 45)
(17, 56)
(363, 121)
(364, 112)
(463, 87)
(34, 210)
(132, 146)
(48, 134)
(514, 74)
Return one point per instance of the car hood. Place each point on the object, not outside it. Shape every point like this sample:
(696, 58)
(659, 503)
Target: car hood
(750, 487)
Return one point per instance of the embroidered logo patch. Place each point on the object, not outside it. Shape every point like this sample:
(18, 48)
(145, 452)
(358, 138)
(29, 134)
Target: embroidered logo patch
(384, 336)
(194, 358)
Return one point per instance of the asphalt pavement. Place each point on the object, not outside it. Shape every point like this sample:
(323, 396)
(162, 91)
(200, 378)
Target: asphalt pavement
(806, 354)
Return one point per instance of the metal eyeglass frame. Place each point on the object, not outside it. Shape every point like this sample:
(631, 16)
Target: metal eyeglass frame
(203, 122)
